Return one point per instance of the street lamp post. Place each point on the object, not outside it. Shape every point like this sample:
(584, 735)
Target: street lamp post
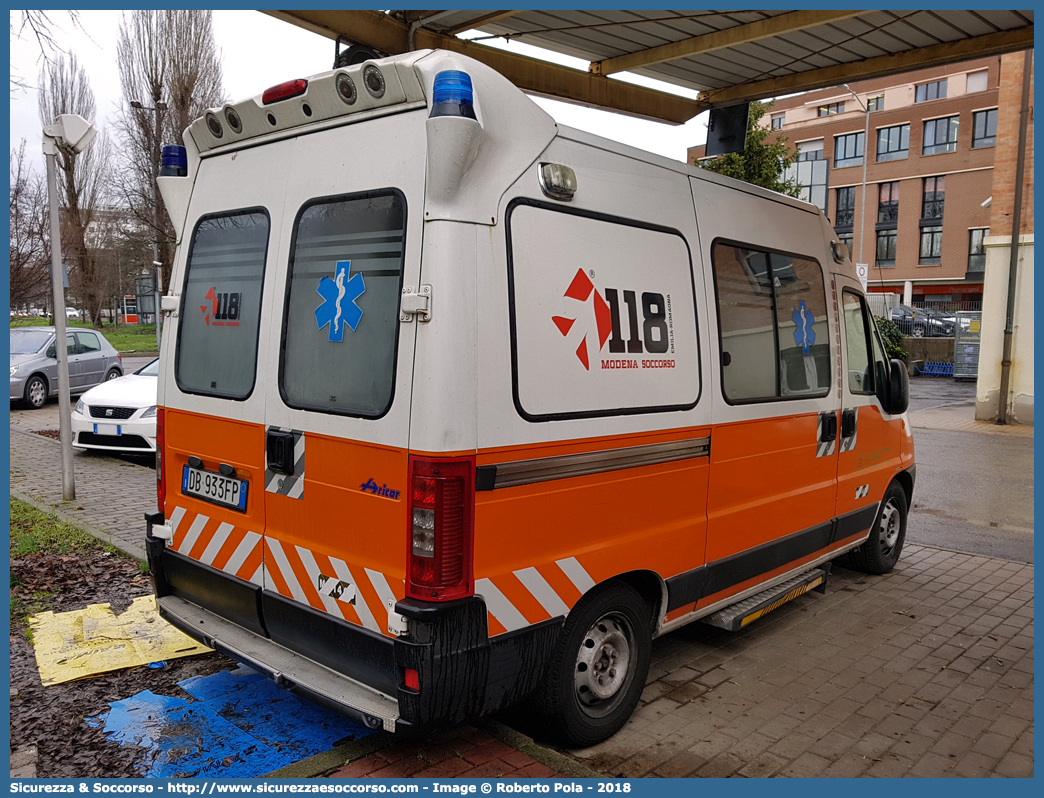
(156, 265)
(866, 155)
(72, 132)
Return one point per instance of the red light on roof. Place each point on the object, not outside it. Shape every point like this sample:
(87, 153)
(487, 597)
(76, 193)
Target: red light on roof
(284, 91)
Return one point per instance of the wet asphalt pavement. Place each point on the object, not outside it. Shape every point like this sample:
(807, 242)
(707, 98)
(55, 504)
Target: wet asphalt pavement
(974, 492)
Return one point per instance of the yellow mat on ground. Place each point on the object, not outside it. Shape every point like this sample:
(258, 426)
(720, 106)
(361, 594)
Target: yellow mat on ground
(74, 645)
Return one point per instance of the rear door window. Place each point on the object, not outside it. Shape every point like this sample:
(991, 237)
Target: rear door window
(221, 305)
(88, 342)
(342, 309)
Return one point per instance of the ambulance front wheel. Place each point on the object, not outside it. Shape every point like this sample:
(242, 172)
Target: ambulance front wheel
(597, 672)
(880, 552)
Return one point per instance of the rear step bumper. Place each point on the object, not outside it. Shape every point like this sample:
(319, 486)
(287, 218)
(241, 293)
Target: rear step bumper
(736, 616)
(370, 707)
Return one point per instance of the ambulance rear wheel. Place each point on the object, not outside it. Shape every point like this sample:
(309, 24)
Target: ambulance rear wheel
(597, 672)
(880, 552)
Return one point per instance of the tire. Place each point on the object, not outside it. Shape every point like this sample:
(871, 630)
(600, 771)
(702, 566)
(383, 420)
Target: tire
(880, 552)
(584, 698)
(35, 395)
(918, 332)
(113, 375)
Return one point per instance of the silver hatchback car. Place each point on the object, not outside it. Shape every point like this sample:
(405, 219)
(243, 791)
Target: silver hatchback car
(34, 364)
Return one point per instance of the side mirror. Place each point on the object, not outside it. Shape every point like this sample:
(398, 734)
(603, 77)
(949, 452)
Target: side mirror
(898, 388)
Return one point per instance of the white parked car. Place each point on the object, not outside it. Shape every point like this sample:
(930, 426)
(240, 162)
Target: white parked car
(119, 415)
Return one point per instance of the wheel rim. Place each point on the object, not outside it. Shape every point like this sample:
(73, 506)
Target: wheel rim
(890, 526)
(603, 665)
(112, 375)
(37, 393)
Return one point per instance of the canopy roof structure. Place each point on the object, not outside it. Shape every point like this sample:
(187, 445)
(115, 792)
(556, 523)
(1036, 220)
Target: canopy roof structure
(729, 57)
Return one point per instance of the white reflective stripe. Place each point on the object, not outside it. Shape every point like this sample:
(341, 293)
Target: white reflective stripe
(542, 592)
(283, 566)
(243, 550)
(216, 542)
(344, 573)
(193, 533)
(259, 575)
(313, 574)
(499, 606)
(576, 573)
(380, 584)
(175, 519)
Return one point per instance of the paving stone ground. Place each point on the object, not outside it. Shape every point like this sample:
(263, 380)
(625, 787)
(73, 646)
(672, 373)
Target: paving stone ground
(926, 671)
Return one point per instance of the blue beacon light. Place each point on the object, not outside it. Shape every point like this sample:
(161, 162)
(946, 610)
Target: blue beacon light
(452, 95)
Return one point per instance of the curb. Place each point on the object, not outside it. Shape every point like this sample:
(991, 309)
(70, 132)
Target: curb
(136, 552)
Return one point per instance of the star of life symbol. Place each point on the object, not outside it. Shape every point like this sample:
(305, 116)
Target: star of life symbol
(339, 295)
(804, 335)
(582, 289)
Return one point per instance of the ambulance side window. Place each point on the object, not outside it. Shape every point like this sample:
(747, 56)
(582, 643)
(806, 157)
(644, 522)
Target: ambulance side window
(773, 328)
(342, 308)
(857, 345)
(221, 307)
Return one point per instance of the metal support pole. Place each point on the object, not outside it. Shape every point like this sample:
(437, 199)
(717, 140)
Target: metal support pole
(64, 405)
(1016, 230)
(866, 146)
(157, 267)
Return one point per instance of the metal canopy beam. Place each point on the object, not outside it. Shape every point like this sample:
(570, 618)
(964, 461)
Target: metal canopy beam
(719, 40)
(388, 35)
(935, 55)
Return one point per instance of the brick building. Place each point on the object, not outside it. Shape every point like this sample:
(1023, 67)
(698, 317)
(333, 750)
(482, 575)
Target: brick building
(929, 174)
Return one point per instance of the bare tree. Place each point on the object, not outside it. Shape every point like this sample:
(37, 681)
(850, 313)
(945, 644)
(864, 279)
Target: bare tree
(43, 28)
(30, 247)
(167, 60)
(83, 178)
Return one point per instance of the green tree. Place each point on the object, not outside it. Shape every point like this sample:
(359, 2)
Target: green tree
(762, 162)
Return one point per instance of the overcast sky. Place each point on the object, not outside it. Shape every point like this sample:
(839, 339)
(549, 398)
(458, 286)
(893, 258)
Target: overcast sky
(259, 51)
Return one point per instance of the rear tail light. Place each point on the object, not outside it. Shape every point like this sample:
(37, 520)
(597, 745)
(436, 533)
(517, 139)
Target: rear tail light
(442, 512)
(161, 490)
(284, 91)
(411, 679)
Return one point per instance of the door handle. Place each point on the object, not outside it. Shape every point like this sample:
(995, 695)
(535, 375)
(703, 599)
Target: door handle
(279, 446)
(848, 423)
(828, 430)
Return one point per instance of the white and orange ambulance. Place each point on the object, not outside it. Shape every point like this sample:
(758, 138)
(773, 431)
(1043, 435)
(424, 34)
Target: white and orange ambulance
(460, 407)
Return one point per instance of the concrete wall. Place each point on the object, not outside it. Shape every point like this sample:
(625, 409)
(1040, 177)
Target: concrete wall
(928, 350)
(991, 344)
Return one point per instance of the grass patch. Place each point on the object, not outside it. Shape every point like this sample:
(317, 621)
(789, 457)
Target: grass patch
(34, 531)
(125, 338)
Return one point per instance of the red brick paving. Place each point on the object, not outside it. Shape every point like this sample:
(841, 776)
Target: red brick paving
(467, 753)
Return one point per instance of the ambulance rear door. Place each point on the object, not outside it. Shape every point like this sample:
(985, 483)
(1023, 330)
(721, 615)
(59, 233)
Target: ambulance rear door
(338, 417)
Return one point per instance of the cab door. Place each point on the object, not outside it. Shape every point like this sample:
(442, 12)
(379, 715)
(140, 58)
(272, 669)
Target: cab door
(869, 438)
(338, 420)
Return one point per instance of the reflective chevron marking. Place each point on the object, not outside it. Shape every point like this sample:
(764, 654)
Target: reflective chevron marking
(542, 592)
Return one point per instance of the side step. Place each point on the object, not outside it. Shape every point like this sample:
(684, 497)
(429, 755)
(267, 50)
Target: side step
(738, 615)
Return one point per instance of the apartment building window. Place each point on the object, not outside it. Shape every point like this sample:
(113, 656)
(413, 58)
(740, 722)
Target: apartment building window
(848, 149)
(931, 246)
(934, 197)
(886, 248)
(777, 121)
(893, 143)
(875, 103)
(977, 249)
(888, 203)
(810, 173)
(887, 223)
(977, 81)
(984, 128)
(831, 108)
(930, 91)
(940, 135)
(845, 207)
